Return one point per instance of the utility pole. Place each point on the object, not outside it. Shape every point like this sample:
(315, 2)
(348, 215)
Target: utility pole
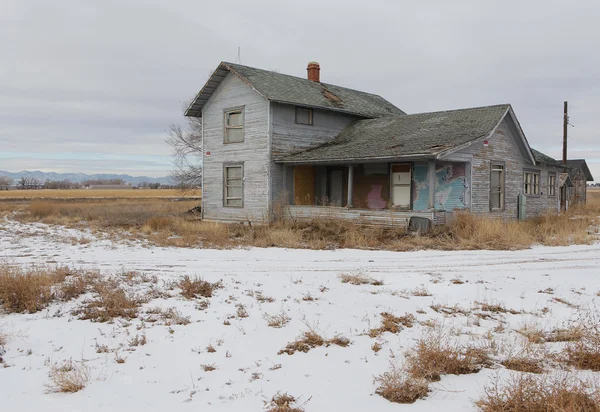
(565, 124)
(564, 190)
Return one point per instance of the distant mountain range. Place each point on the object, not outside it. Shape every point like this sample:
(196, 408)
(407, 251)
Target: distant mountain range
(80, 177)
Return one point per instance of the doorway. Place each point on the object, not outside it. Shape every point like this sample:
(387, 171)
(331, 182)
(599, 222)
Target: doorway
(401, 178)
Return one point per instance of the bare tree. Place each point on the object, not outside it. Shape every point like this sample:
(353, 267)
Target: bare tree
(5, 182)
(186, 148)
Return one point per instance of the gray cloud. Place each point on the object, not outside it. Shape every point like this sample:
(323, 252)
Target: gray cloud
(110, 79)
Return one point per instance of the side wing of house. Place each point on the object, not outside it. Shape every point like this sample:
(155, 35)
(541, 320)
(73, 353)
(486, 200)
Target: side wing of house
(502, 169)
(297, 128)
(235, 153)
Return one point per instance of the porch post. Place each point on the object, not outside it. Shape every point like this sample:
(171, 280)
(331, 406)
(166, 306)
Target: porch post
(432, 184)
(350, 184)
(286, 195)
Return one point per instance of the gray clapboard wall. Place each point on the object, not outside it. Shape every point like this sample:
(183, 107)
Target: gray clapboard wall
(505, 146)
(288, 137)
(253, 152)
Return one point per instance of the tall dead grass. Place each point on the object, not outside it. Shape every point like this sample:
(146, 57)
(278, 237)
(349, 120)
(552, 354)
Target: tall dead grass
(166, 223)
(541, 393)
(70, 376)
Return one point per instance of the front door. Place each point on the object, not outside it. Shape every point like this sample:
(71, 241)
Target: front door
(401, 179)
(337, 187)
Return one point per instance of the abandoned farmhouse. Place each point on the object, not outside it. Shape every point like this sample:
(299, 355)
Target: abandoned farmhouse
(277, 142)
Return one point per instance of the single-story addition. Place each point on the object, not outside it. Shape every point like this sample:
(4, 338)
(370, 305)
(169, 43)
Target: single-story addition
(580, 174)
(274, 142)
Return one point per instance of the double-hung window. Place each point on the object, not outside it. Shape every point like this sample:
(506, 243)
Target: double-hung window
(551, 184)
(497, 187)
(233, 185)
(234, 126)
(531, 182)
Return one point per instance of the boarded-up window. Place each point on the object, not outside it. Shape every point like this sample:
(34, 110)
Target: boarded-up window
(551, 184)
(531, 183)
(304, 185)
(497, 187)
(304, 115)
(234, 126)
(233, 183)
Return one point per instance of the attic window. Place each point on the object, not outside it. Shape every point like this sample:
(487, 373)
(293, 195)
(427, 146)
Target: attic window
(234, 126)
(304, 116)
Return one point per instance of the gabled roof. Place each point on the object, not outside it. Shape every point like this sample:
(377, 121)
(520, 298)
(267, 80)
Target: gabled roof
(283, 88)
(575, 164)
(416, 135)
(564, 179)
(544, 160)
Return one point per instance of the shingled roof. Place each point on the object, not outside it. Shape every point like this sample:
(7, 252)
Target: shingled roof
(544, 160)
(283, 88)
(415, 135)
(575, 164)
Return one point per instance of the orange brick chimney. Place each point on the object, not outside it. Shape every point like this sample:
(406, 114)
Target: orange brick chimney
(313, 70)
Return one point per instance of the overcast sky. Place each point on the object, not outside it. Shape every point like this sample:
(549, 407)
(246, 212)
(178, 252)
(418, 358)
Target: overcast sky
(92, 86)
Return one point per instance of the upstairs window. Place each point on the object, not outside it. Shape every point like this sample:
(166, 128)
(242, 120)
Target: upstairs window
(234, 126)
(233, 185)
(497, 187)
(551, 184)
(531, 183)
(304, 116)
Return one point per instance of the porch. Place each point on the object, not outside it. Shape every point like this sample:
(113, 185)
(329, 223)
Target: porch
(377, 193)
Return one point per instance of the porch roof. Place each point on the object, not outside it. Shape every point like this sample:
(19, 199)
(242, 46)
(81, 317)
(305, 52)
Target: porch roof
(423, 135)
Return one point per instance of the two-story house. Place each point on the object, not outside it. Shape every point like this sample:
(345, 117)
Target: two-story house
(274, 141)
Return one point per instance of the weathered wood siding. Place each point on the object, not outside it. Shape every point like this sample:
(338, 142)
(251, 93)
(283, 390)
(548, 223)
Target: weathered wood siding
(288, 137)
(253, 152)
(360, 216)
(505, 146)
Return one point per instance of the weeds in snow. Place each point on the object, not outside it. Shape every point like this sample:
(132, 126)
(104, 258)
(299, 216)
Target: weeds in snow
(196, 287)
(525, 392)
(393, 324)
(310, 339)
(397, 385)
(283, 403)
(359, 279)
(278, 320)
(70, 376)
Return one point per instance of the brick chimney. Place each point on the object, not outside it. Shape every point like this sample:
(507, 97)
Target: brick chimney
(313, 70)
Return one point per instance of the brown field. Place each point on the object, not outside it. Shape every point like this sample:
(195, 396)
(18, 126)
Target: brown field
(96, 194)
(167, 220)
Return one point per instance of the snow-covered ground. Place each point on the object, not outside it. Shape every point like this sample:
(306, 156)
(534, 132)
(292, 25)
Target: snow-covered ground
(167, 372)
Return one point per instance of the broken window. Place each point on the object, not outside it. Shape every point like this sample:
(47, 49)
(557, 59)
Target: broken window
(304, 116)
(234, 126)
(551, 184)
(233, 181)
(497, 187)
(531, 183)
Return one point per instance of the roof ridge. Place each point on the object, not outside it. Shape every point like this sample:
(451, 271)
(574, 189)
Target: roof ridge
(507, 105)
(300, 78)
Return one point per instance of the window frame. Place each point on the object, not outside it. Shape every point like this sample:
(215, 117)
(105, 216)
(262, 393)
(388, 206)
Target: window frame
(551, 187)
(227, 127)
(532, 183)
(502, 190)
(226, 186)
(310, 115)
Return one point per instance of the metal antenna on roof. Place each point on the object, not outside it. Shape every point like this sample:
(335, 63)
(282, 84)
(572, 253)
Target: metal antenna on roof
(238, 59)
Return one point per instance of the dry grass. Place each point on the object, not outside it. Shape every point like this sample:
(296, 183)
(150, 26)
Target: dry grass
(196, 287)
(531, 393)
(277, 320)
(95, 193)
(283, 403)
(209, 367)
(111, 301)
(310, 339)
(437, 355)
(584, 353)
(33, 289)
(359, 279)
(393, 324)
(534, 334)
(396, 385)
(166, 223)
(495, 308)
(69, 377)
(523, 364)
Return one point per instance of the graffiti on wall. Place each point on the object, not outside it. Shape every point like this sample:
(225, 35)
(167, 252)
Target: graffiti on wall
(451, 186)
